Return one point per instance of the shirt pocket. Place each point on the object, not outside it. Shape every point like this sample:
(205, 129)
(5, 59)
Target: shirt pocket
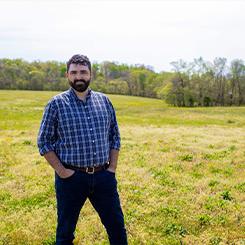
(102, 119)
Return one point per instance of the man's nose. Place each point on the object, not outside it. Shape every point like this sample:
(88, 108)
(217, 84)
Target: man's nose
(78, 76)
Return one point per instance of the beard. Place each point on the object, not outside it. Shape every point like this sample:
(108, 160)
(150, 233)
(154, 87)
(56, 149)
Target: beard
(79, 85)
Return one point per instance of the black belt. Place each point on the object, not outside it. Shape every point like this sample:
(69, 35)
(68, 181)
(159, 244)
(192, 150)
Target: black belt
(89, 170)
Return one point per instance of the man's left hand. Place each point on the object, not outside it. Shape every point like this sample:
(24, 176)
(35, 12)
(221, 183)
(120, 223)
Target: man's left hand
(111, 170)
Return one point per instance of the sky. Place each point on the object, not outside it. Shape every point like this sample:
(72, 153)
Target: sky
(152, 33)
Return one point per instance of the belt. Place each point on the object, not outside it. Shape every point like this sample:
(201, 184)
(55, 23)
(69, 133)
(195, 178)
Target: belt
(88, 170)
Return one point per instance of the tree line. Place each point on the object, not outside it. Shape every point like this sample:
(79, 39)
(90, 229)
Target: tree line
(195, 83)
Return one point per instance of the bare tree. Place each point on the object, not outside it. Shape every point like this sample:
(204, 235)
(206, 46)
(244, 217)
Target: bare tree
(237, 80)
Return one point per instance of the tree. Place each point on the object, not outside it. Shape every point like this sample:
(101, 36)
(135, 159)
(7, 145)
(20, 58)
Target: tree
(219, 72)
(237, 81)
(181, 81)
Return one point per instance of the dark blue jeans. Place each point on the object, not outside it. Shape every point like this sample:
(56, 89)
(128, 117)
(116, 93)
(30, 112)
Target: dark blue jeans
(101, 189)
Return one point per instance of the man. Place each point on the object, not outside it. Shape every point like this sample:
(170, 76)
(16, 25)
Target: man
(79, 137)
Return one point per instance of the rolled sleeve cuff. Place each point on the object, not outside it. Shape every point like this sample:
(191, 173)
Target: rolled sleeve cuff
(43, 150)
(115, 146)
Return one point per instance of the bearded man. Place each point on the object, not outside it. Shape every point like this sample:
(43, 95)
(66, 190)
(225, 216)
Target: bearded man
(79, 138)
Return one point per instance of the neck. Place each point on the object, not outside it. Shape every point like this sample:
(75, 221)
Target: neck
(81, 95)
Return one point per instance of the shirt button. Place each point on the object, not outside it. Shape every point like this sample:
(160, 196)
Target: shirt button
(85, 107)
(91, 129)
(94, 153)
(93, 141)
(88, 117)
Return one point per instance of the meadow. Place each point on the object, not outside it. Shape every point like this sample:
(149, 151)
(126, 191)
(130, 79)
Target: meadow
(181, 174)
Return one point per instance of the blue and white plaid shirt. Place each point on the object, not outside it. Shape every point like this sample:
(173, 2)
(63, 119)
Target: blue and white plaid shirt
(80, 133)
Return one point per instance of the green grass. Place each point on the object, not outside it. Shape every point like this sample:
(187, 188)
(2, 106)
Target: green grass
(180, 174)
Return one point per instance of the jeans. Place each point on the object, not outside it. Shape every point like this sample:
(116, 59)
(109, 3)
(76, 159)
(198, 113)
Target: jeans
(101, 189)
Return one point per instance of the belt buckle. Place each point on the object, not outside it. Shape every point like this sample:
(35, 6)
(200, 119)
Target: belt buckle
(89, 172)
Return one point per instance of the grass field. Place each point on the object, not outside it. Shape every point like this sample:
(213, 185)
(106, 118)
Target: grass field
(181, 174)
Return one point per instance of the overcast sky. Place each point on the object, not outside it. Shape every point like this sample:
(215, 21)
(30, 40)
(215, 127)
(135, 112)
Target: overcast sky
(148, 32)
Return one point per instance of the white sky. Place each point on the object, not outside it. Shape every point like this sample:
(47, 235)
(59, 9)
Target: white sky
(148, 32)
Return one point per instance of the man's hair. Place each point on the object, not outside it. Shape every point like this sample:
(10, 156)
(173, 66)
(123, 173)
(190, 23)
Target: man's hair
(79, 59)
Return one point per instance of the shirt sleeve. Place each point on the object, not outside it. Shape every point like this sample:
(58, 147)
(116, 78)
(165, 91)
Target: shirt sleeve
(47, 132)
(114, 133)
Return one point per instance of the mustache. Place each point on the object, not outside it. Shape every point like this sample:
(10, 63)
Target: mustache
(80, 80)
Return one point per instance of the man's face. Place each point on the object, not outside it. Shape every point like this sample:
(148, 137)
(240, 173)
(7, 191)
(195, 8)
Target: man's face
(79, 77)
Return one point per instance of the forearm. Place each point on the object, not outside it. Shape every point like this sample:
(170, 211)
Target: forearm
(54, 161)
(113, 159)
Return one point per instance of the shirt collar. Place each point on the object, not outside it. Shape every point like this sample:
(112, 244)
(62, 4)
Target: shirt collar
(74, 96)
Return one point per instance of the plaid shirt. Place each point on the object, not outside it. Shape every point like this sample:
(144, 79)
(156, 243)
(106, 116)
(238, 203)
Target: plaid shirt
(80, 133)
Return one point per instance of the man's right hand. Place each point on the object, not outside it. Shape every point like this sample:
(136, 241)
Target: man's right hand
(65, 173)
